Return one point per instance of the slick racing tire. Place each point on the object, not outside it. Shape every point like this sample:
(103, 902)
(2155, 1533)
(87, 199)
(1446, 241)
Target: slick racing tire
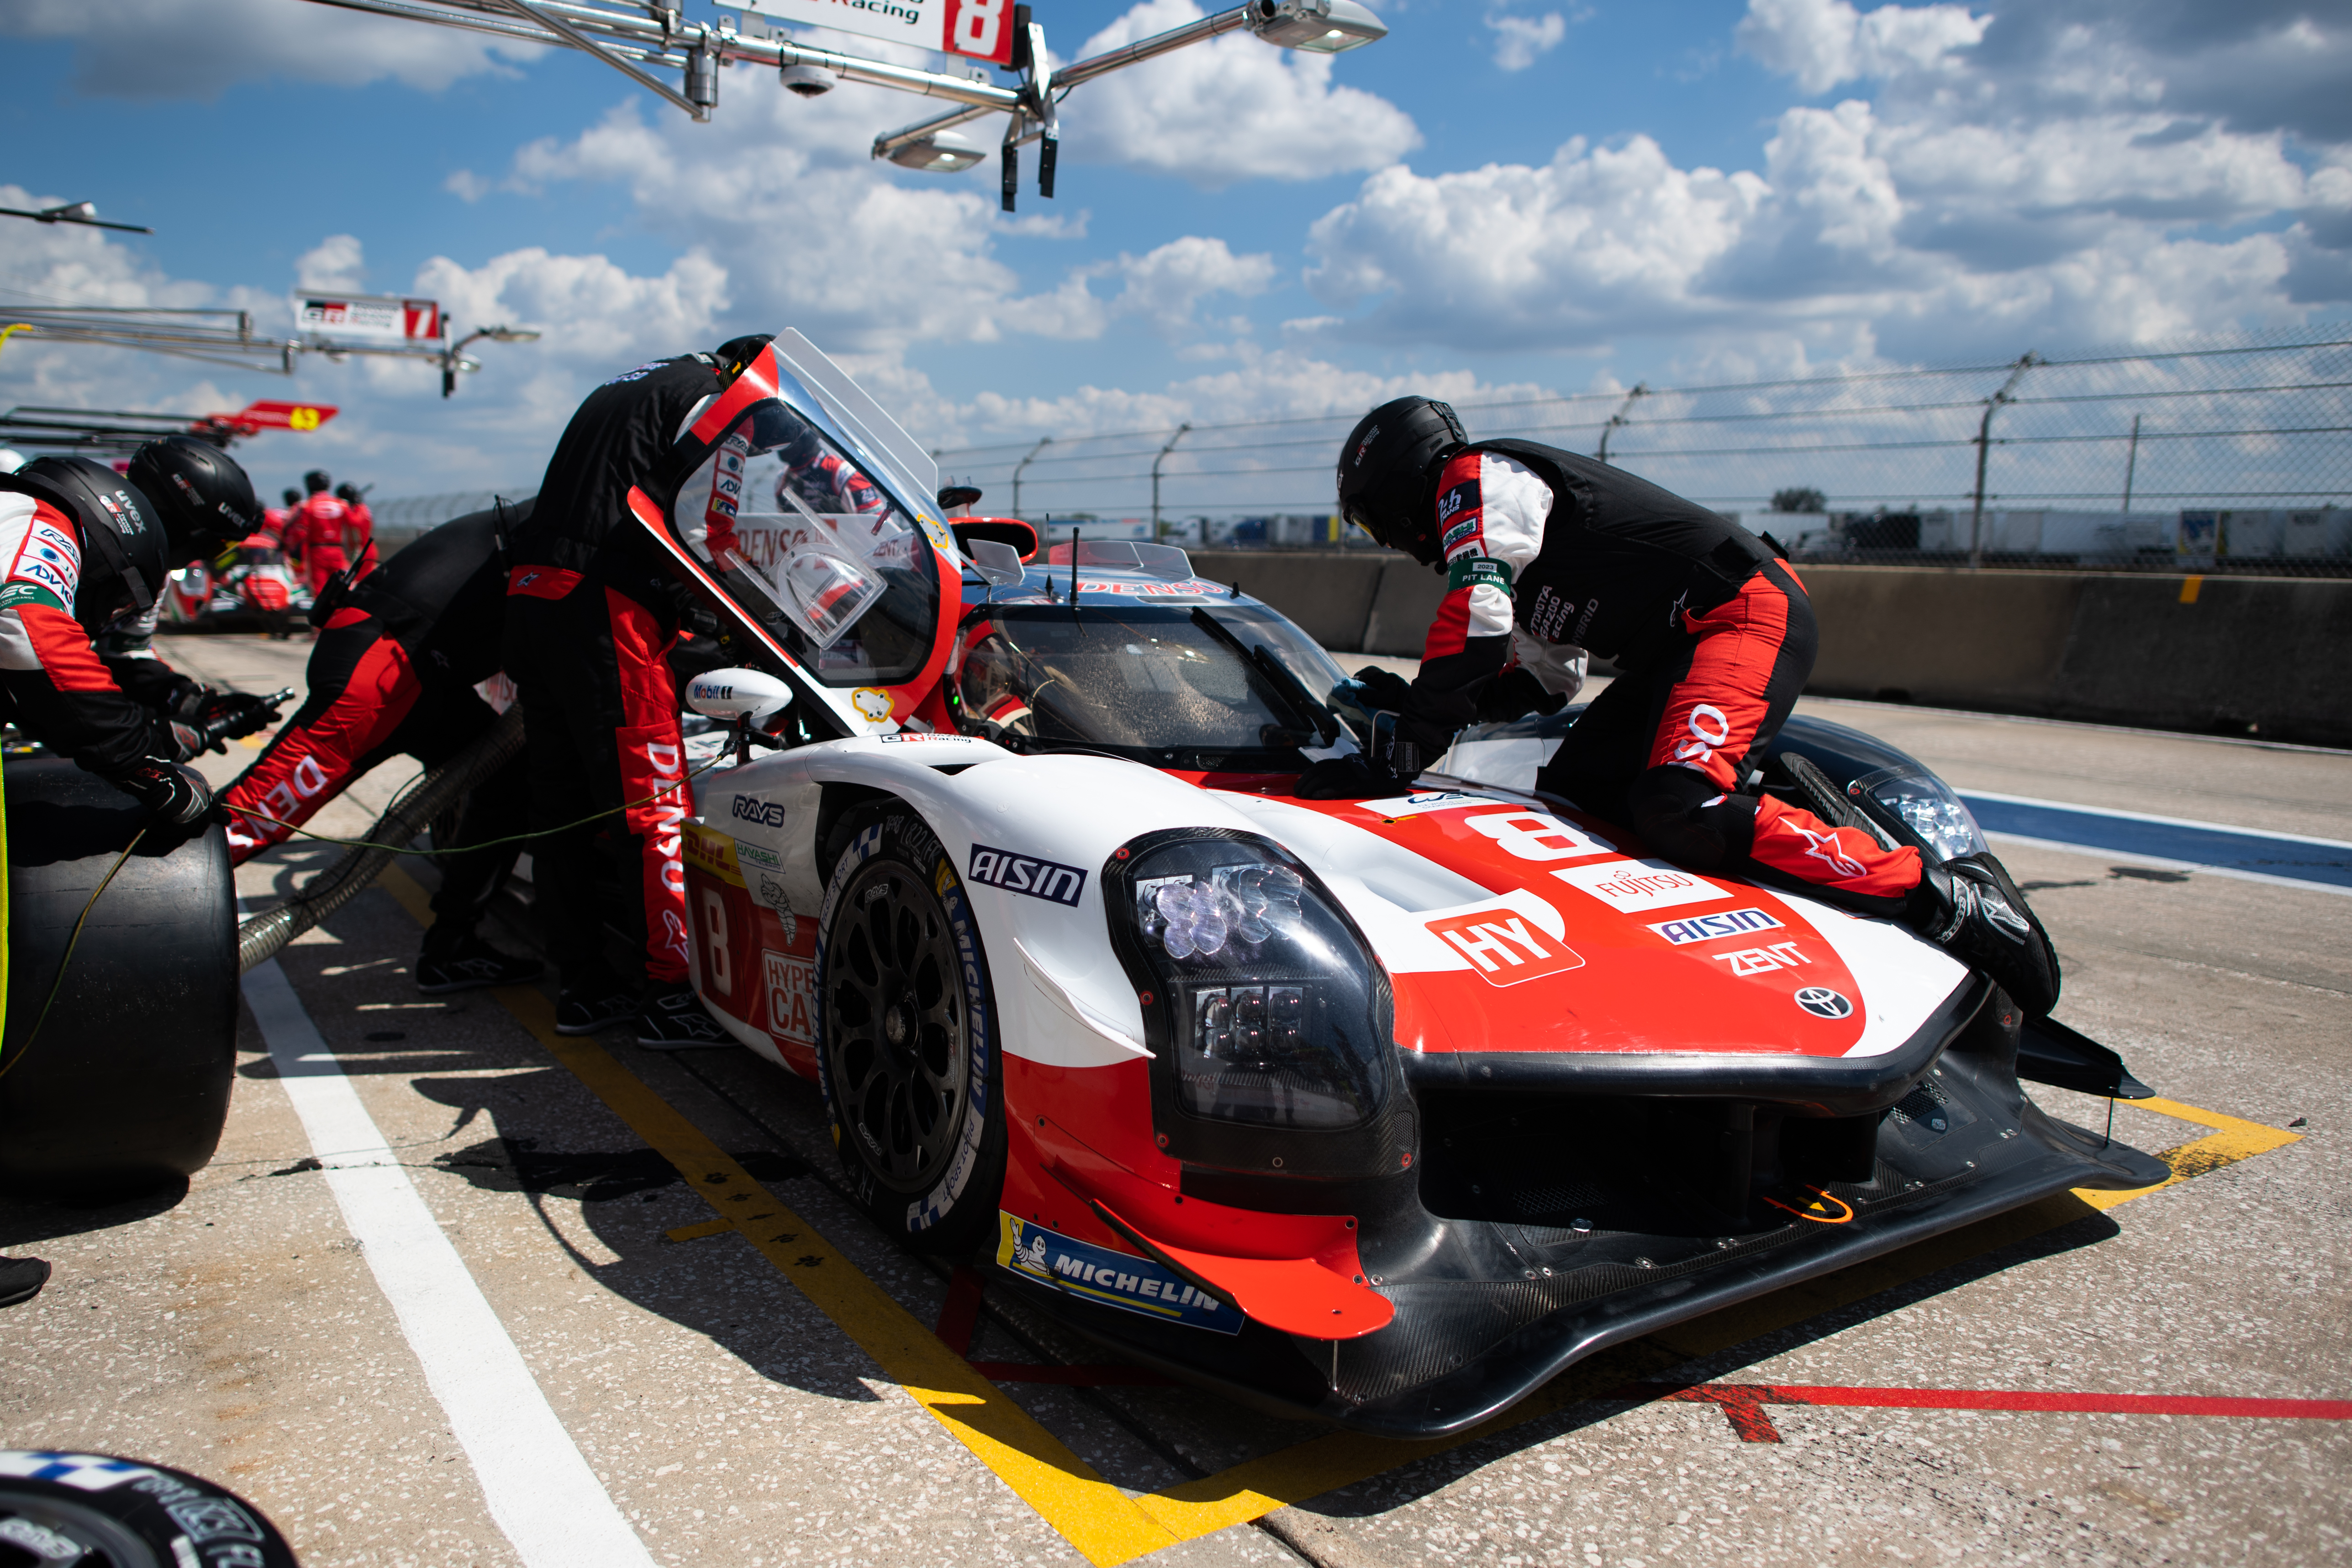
(97, 1511)
(126, 1083)
(909, 1051)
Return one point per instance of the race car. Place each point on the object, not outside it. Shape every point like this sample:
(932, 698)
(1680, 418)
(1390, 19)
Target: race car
(1381, 1112)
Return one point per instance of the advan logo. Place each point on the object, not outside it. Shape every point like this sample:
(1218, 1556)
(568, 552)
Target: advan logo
(1503, 947)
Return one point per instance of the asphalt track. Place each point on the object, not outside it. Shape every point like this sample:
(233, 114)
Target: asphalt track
(458, 1291)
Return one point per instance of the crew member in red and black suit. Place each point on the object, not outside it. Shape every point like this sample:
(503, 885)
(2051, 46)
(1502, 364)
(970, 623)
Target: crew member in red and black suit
(593, 609)
(321, 520)
(359, 530)
(394, 673)
(1713, 633)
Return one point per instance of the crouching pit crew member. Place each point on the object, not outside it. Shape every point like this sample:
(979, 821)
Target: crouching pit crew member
(594, 610)
(394, 673)
(1714, 636)
(82, 547)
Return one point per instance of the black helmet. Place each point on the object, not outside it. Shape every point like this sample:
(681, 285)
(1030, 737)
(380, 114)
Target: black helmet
(735, 354)
(207, 501)
(1388, 470)
(122, 534)
(316, 481)
(347, 491)
(290, 496)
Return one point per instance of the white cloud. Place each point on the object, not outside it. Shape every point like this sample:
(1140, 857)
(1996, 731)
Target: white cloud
(1519, 39)
(337, 261)
(171, 49)
(1230, 110)
(1824, 42)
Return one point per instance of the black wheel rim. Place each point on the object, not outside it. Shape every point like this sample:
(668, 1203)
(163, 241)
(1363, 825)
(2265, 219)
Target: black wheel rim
(895, 1026)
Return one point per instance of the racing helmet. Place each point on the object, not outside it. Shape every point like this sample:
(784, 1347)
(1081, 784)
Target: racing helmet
(736, 353)
(348, 493)
(206, 498)
(121, 534)
(290, 497)
(316, 481)
(1389, 472)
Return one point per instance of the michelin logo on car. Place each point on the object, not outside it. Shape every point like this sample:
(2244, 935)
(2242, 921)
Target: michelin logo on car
(1115, 1278)
(1026, 874)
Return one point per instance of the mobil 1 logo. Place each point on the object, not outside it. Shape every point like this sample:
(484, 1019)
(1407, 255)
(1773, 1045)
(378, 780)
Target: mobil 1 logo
(1026, 874)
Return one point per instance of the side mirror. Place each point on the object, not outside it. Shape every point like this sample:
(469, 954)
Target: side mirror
(953, 495)
(998, 565)
(752, 695)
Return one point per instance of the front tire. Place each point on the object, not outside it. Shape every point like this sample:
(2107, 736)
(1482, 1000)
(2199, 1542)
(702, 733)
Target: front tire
(909, 1051)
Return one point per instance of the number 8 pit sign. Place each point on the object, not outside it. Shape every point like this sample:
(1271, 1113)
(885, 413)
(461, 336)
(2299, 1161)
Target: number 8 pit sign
(978, 29)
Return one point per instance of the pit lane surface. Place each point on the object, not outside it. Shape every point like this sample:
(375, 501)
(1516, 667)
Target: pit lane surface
(729, 1413)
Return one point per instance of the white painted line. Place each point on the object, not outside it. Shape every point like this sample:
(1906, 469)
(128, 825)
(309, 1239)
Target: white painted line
(2161, 863)
(2144, 816)
(540, 1492)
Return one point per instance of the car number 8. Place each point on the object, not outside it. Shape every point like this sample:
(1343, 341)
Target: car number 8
(714, 926)
(977, 24)
(1535, 836)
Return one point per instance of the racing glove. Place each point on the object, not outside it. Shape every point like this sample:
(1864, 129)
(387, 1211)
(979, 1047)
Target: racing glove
(1356, 776)
(176, 796)
(230, 715)
(1515, 694)
(189, 741)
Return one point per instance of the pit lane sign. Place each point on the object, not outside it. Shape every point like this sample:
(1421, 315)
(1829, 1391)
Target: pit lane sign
(979, 29)
(369, 318)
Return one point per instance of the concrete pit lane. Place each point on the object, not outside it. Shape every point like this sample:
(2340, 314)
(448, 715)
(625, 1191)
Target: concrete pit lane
(458, 1292)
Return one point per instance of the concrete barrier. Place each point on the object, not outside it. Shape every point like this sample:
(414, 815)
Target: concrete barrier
(2262, 655)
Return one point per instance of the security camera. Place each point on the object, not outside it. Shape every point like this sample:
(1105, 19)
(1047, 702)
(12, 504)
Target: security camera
(809, 81)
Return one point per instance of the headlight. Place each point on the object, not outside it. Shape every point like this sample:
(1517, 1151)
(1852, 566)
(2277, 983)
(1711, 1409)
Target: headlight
(1927, 806)
(1278, 1016)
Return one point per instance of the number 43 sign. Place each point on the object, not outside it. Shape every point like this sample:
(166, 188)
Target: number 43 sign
(981, 29)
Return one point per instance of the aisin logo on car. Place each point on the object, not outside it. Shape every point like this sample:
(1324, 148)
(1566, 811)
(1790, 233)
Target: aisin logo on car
(1824, 1002)
(1026, 874)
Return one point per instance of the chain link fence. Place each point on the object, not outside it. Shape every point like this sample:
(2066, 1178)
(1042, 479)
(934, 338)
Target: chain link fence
(2222, 454)
(399, 520)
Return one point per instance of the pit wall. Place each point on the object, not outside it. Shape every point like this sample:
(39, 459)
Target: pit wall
(2268, 655)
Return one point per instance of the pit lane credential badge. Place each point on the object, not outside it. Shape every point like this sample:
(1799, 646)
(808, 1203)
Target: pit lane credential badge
(1115, 1278)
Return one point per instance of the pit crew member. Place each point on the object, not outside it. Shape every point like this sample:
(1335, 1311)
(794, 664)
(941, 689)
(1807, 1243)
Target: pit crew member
(319, 522)
(1714, 634)
(593, 611)
(358, 529)
(79, 546)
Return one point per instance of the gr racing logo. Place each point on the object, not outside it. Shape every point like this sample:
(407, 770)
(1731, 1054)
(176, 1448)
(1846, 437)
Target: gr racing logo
(751, 808)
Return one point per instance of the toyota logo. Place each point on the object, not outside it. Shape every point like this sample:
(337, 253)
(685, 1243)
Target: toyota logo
(1824, 1002)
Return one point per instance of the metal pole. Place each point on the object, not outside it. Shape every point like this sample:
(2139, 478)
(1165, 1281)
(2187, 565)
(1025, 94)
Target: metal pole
(2131, 462)
(1042, 443)
(1641, 389)
(2026, 362)
(1155, 474)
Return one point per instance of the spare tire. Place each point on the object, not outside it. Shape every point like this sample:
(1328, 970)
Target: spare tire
(127, 1083)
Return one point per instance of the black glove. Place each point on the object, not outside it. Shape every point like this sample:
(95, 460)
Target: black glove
(228, 715)
(1383, 688)
(1352, 777)
(1515, 694)
(190, 741)
(176, 796)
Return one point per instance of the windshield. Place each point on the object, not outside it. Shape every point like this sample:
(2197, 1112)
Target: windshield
(1153, 682)
(804, 542)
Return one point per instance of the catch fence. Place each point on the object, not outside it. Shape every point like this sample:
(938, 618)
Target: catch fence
(2225, 453)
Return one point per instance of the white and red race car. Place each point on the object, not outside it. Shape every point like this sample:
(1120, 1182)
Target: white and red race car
(1379, 1110)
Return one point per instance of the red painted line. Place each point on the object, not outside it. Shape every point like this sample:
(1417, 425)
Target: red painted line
(1743, 1403)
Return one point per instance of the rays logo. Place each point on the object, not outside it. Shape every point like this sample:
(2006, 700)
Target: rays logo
(751, 808)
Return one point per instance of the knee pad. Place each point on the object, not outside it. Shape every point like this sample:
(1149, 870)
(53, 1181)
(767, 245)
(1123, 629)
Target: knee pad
(1683, 818)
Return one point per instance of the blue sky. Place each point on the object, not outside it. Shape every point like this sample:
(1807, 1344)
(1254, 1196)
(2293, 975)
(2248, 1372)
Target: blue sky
(1499, 199)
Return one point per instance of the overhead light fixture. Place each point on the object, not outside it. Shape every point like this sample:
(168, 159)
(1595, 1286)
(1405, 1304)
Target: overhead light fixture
(809, 81)
(1317, 27)
(940, 152)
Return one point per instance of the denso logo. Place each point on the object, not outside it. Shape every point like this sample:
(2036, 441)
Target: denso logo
(751, 808)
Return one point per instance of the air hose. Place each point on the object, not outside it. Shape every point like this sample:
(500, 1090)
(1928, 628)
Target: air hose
(260, 938)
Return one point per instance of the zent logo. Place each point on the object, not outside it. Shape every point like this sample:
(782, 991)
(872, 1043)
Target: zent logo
(751, 808)
(1763, 960)
(1535, 836)
(1633, 886)
(1503, 948)
(1026, 874)
(1824, 1002)
(1705, 928)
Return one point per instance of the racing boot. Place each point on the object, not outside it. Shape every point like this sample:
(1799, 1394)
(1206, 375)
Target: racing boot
(21, 1279)
(591, 1001)
(1970, 907)
(461, 960)
(673, 1019)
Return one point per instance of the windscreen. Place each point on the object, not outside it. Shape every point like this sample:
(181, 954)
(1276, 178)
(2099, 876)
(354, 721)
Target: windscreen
(804, 542)
(1145, 682)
